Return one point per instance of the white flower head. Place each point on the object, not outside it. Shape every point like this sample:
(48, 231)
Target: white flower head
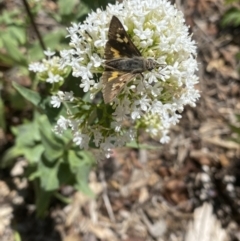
(151, 101)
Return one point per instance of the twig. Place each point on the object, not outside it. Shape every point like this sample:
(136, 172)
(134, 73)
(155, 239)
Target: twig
(25, 3)
(106, 199)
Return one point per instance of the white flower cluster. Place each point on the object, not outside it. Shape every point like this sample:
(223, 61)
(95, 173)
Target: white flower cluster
(153, 103)
(50, 69)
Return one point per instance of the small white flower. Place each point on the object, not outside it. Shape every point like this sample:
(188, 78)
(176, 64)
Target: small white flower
(37, 67)
(165, 138)
(52, 78)
(48, 53)
(97, 137)
(78, 139)
(58, 130)
(101, 41)
(73, 29)
(61, 97)
(107, 146)
(62, 125)
(81, 140)
(144, 103)
(63, 122)
(116, 126)
(86, 75)
(97, 61)
(120, 113)
(74, 124)
(68, 96)
(55, 101)
(86, 84)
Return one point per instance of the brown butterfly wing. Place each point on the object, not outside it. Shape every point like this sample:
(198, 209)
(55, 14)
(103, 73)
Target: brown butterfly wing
(119, 44)
(113, 83)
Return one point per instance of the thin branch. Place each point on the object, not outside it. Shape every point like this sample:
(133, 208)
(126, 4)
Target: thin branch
(106, 199)
(25, 3)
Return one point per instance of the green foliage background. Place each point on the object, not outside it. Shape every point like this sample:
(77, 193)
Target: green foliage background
(53, 161)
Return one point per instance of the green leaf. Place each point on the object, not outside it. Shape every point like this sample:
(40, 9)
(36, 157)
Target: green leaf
(27, 134)
(235, 129)
(62, 198)
(73, 160)
(82, 174)
(35, 53)
(18, 33)
(82, 10)
(33, 175)
(42, 104)
(49, 175)
(43, 199)
(53, 146)
(6, 37)
(94, 4)
(65, 176)
(67, 7)
(72, 10)
(10, 155)
(13, 50)
(33, 154)
(17, 236)
(81, 164)
(231, 17)
(238, 117)
(28, 94)
(26, 145)
(231, 1)
(53, 39)
(8, 17)
(5, 59)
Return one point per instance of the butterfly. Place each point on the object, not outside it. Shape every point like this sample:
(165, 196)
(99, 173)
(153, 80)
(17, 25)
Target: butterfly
(123, 61)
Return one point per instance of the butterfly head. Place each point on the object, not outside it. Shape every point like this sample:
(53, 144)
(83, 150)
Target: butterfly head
(152, 64)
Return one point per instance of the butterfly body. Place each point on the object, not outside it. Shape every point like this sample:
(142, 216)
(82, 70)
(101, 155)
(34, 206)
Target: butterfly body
(123, 61)
(134, 65)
